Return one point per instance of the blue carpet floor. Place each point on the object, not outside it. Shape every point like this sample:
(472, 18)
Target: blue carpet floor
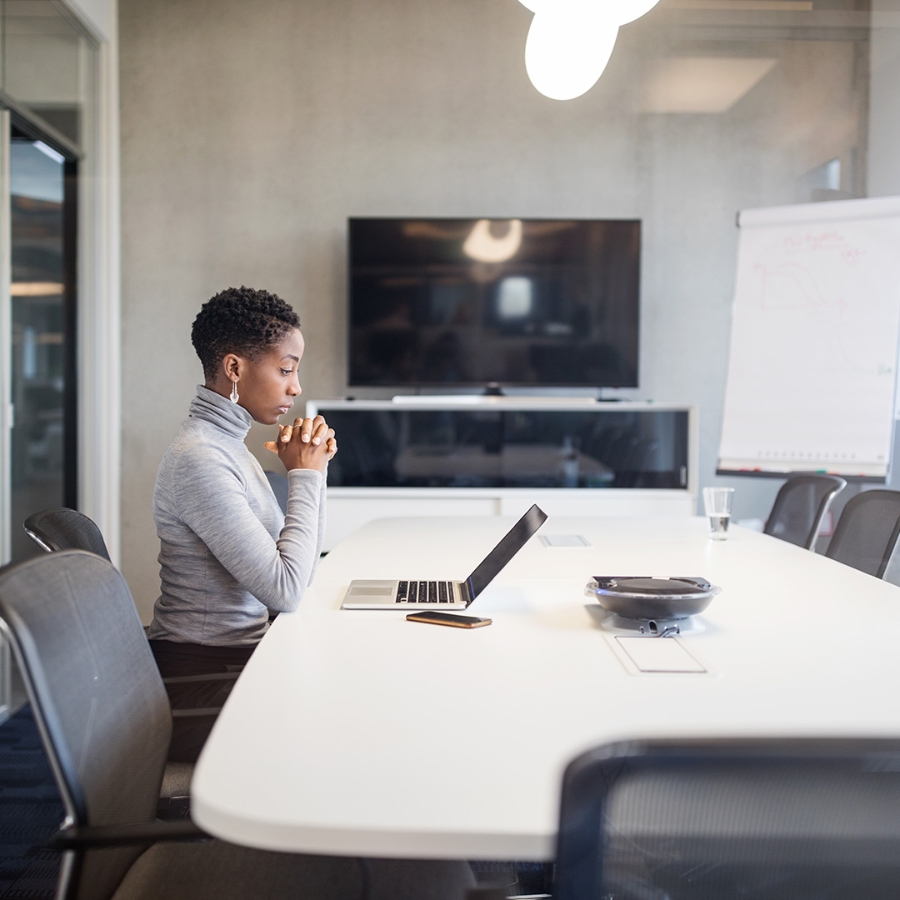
(30, 812)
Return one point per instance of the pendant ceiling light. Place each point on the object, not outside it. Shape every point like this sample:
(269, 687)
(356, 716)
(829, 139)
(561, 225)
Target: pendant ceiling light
(570, 41)
(565, 54)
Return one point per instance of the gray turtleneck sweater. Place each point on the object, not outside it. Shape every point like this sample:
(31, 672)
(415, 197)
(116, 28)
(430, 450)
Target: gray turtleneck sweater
(227, 554)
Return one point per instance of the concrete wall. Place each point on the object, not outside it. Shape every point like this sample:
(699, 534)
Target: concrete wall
(251, 131)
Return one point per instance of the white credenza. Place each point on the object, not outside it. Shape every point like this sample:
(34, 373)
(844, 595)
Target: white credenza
(495, 456)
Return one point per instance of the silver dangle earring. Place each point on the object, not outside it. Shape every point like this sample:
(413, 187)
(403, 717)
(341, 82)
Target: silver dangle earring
(234, 396)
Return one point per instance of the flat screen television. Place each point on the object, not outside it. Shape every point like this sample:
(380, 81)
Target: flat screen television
(476, 302)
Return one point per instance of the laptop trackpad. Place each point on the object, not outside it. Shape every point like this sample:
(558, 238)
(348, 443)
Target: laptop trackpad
(374, 590)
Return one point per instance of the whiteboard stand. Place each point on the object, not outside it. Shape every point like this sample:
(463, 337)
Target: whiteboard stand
(814, 344)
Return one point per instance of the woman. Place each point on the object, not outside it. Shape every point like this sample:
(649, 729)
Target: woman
(228, 556)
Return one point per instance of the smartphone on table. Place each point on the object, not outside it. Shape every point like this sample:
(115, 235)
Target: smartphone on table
(442, 618)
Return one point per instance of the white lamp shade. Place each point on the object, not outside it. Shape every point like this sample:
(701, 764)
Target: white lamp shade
(566, 53)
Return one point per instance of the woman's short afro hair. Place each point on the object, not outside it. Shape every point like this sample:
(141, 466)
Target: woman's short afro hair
(240, 320)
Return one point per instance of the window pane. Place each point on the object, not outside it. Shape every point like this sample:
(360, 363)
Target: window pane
(38, 329)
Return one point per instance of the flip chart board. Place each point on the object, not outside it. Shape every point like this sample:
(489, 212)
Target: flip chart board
(814, 340)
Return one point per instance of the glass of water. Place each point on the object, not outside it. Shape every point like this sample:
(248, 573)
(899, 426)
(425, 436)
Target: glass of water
(717, 503)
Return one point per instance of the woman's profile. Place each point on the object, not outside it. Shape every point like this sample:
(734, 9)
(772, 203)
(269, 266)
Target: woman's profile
(229, 557)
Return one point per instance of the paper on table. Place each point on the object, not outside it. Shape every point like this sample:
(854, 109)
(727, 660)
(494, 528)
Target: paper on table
(653, 654)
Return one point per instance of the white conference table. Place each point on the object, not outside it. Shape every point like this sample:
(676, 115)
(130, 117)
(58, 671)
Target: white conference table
(359, 733)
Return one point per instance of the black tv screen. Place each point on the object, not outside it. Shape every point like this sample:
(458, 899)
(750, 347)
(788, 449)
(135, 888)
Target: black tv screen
(473, 302)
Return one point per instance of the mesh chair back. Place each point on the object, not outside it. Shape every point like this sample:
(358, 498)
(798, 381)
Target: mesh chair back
(800, 506)
(279, 485)
(97, 696)
(65, 529)
(867, 532)
(755, 819)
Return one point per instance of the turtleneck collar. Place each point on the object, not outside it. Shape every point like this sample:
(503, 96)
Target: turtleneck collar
(208, 406)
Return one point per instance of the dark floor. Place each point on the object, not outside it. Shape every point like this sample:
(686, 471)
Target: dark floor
(30, 812)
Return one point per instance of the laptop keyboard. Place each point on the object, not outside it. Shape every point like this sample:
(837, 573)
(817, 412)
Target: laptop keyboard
(425, 592)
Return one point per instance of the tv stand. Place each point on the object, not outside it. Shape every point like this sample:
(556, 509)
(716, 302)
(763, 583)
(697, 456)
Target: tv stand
(496, 455)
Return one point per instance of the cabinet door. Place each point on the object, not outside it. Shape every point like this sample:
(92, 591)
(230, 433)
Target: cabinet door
(521, 448)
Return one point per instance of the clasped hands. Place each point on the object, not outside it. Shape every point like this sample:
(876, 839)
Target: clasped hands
(307, 444)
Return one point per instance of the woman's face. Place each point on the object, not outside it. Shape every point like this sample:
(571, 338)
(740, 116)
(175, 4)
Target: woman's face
(268, 385)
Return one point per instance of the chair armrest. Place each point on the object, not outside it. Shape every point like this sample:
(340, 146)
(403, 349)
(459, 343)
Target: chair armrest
(85, 836)
(196, 679)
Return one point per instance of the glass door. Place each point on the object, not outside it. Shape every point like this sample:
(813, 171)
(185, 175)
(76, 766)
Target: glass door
(42, 321)
(49, 128)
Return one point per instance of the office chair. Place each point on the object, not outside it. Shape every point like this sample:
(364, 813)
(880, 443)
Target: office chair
(800, 507)
(867, 532)
(65, 529)
(279, 485)
(756, 819)
(105, 723)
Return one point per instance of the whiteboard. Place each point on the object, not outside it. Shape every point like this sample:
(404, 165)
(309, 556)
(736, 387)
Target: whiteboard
(814, 339)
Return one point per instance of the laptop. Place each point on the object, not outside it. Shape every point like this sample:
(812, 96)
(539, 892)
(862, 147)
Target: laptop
(432, 594)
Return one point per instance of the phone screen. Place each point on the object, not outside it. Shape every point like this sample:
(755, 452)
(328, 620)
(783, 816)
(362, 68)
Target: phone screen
(440, 618)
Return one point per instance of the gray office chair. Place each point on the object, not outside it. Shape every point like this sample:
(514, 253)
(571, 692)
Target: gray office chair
(105, 722)
(763, 819)
(867, 532)
(800, 507)
(65, 529)
(279, 485)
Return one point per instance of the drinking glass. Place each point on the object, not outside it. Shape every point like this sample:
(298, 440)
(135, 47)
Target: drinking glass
(717, 503)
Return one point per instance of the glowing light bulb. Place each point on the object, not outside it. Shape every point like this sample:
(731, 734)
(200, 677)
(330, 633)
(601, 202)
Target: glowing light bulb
(570, 41)
(568, 48)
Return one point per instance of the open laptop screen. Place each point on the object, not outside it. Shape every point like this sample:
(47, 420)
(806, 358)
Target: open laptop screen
(508, 547)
